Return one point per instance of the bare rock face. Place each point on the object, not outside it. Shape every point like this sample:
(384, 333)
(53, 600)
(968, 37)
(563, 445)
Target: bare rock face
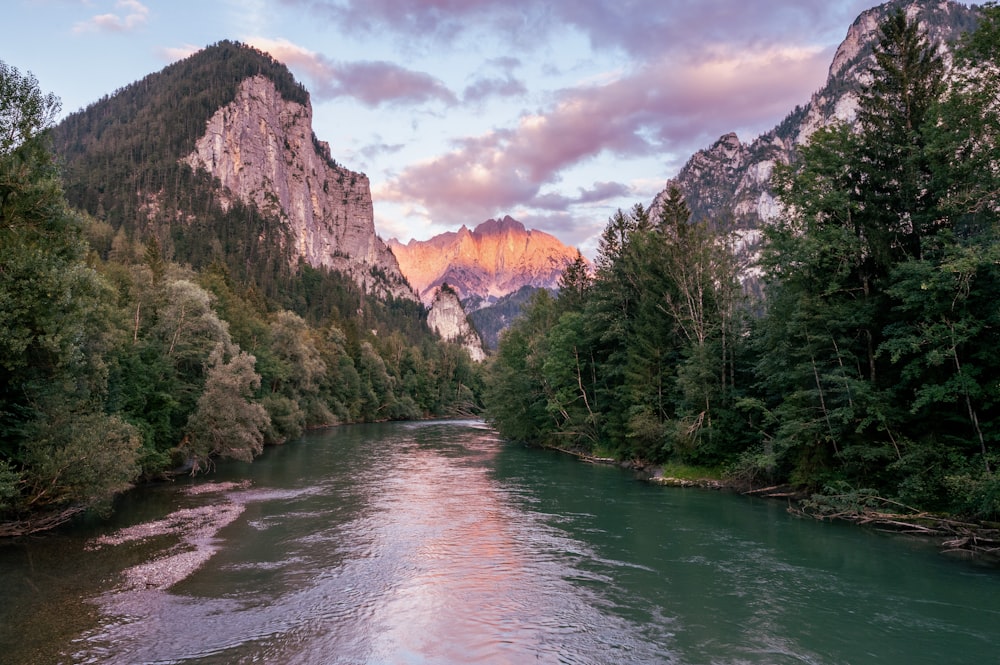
(734, 178)
(498, 257)
(448, 319)
(263, 151)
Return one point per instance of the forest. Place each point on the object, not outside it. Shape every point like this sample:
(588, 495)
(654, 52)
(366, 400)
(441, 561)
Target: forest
(125, 359)
(864, 369)
(865, 373)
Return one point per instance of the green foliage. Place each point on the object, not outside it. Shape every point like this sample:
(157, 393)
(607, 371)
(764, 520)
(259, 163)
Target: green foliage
(10, 491)
(25, 111)
(975, 493)
(637, 360)
(226, 422)
(58, 448)
(876, 354)
(962, 145)
(689, 472)
(117, 363)
(81, 458)
(515, 395)
(872, 363)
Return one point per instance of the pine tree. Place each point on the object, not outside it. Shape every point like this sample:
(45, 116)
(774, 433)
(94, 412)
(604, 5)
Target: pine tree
(860, 204)
(893, 178)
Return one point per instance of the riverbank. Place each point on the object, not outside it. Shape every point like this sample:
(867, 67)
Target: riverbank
(40, 522)
(443, 543)
(953, 536)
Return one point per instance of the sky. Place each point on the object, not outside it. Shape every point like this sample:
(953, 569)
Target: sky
(555, 112)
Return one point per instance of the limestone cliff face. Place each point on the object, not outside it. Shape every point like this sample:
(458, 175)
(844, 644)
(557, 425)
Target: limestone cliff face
(263, 151)
(496, 258)
(448, 319)
(735, 177)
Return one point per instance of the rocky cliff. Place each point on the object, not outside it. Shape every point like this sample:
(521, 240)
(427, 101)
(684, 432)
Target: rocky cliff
(733, 178)
(262, 150)
(448, 319)
(496, 258)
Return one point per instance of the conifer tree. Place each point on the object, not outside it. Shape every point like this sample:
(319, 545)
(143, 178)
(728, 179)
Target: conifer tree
(859, 204)
(893, 170)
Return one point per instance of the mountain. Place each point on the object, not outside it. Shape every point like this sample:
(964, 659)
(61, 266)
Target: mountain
(732, 178)
(491, 320)
(215, 158)
(496, 258)
(448, 319)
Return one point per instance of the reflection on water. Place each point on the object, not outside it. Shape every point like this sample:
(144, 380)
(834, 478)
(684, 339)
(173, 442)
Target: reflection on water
(436, 543)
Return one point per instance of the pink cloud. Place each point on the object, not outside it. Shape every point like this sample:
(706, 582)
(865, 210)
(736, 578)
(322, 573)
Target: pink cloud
(485, 88)
(692, 71)
(175, 53)
(375, 83)
(667, 107)
(371, 83)
(600, 191)
(638, 27)
(133, 15)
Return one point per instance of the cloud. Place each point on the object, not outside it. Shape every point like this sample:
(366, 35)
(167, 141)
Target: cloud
(490, 85)
(477, 178)
(380, 148)
(131, 16)
(574, 230)
(677, 75)
(670, 106)
(373, 83)
(600, 191)
(505, 63)
(175, 53)
(484, 88)
(639, 27)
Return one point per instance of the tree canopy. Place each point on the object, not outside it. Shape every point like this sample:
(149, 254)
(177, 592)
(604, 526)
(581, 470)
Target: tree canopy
(868, 367)
(120, 363)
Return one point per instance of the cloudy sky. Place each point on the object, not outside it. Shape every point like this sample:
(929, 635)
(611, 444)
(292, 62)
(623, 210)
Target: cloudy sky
(556, 112)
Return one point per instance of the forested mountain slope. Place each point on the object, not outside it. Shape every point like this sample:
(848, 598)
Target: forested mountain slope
(155, 317)
(215, 157)
(730, 181)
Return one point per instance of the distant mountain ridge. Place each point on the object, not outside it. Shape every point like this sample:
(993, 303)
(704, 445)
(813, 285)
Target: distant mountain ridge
(732, 178)
(492, 320)
(496, 258)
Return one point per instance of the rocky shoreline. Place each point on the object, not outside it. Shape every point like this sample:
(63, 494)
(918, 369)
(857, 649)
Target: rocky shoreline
(195, 529)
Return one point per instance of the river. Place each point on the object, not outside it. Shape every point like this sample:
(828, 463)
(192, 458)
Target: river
(437, 543)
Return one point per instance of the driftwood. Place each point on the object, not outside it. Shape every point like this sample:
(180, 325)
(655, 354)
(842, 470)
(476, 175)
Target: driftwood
(774, 492)
(586, 457)
(952, 535)
(39, 523)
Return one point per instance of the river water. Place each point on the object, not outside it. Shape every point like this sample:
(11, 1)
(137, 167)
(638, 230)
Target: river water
(438, 543)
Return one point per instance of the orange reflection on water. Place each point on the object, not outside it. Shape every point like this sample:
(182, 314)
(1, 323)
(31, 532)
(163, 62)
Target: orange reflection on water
(463, 592)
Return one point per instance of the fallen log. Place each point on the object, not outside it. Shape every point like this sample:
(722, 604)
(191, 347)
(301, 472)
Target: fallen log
(37, 524)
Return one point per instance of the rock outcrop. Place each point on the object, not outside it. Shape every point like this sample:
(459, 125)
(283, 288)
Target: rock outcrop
(498, 257)
(262, 150)
(448, 319)
(732, 178)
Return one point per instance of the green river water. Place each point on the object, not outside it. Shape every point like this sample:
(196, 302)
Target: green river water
(438, 543)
